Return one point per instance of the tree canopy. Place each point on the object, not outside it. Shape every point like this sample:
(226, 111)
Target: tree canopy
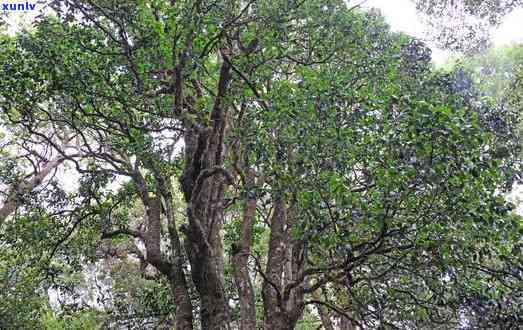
(250, 164)
(464, 25)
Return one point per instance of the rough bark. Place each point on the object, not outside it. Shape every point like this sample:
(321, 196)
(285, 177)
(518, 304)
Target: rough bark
(293, 293)
(172, 270)
(295, 285)
(241, 255)
(184, 315)
(182, 299)
(274, 311)
(203, 185)
(283, 295)
(346, 324)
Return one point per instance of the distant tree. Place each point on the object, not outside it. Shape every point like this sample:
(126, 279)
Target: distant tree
(465, 24)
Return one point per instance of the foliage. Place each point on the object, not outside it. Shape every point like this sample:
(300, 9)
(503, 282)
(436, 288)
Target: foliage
(83, 320)
(272, 163)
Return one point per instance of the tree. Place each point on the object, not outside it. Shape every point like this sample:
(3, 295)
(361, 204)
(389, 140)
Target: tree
(287, 156)
(465, 24)
(497, 75)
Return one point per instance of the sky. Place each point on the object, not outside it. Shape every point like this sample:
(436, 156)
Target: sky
(402, 16)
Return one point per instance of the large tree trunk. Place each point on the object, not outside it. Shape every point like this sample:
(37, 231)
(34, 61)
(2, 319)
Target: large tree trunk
(184, 309)
(346, 324)
(241, 255)
(274, 310)
(206, 256)
(172, 270)
(203, 185)
(182, 299)
(283, 297)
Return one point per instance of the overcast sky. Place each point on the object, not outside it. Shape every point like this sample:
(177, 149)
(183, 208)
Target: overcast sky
(402, 16)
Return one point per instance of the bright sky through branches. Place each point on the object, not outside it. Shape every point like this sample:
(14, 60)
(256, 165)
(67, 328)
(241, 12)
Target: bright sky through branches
(400, 14)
